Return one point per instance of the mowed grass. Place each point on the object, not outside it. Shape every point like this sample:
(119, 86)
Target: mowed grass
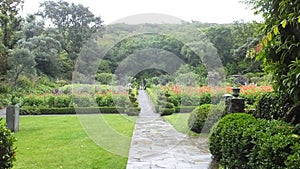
(180, 122)
(61, 142)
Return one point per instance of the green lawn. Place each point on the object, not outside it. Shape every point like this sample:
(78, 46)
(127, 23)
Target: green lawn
(180, 123)
(61, 142)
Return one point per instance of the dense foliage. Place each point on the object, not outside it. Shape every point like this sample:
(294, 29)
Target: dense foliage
(241, 141)
(7, 148)
(272, 105)
(281, 46)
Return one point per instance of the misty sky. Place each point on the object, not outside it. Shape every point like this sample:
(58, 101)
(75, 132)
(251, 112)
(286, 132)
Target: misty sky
(212, 11)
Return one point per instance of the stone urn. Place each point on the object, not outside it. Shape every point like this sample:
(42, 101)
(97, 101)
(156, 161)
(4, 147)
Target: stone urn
(236, 91)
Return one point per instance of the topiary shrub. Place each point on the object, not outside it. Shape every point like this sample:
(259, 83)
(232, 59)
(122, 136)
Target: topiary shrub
(203, 117)
(7, 149)
(174, 99)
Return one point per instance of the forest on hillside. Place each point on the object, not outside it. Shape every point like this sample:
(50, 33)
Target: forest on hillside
(66, 43)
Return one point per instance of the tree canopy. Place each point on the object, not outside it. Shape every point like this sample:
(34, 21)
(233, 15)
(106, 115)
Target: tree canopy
(75, 23)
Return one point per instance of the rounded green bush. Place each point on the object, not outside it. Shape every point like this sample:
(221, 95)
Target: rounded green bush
(222, 129)
(7, 149)
(241, 141)
(204, 117)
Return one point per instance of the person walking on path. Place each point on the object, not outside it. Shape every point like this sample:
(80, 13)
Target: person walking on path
(145, 84)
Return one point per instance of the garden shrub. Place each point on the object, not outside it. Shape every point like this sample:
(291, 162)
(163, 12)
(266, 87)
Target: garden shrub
(272, 105)
(241, 141)
(174, 99)
(4, 100)
(166, 111)
(189, 100)
(7, 148)
(184, 99)
(218, 130)
(120, 100)
(33, 100)
(273, 144)
(203, 117)
(58, 101)
(169, 105)
(86, 101)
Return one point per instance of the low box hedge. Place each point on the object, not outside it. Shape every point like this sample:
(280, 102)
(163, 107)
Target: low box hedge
(28, 110)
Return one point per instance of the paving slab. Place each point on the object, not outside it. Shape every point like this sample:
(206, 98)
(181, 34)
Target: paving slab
(156, 144)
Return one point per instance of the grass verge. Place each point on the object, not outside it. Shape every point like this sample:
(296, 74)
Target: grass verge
(61, 142)
(180, 123)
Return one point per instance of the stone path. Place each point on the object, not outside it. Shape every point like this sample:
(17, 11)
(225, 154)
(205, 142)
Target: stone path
(156, 144)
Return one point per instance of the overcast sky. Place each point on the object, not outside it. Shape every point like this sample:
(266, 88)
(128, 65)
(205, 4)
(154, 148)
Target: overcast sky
(212, 11)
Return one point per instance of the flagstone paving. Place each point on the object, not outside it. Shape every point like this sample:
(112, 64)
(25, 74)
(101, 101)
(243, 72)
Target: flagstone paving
(156, 144)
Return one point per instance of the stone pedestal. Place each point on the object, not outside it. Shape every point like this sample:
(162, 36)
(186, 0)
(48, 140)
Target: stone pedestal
(12, 118)
(236, 105)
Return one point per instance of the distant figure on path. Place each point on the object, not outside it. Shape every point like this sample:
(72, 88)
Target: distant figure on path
(144, 83)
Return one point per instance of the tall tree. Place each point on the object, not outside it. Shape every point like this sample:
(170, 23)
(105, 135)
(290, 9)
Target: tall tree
(21, 61)
(10, 23)
(45, 51)
(75, 24)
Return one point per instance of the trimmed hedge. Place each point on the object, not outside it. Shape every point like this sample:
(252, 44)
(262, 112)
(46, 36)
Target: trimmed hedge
(166, 111)
(241, 141)
(26, 110)
(7, 148)
(204, 117)
(272, 105)
(83, 100)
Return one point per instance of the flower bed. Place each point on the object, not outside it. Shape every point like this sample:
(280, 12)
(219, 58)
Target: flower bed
(182, 96)
(65, 102)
